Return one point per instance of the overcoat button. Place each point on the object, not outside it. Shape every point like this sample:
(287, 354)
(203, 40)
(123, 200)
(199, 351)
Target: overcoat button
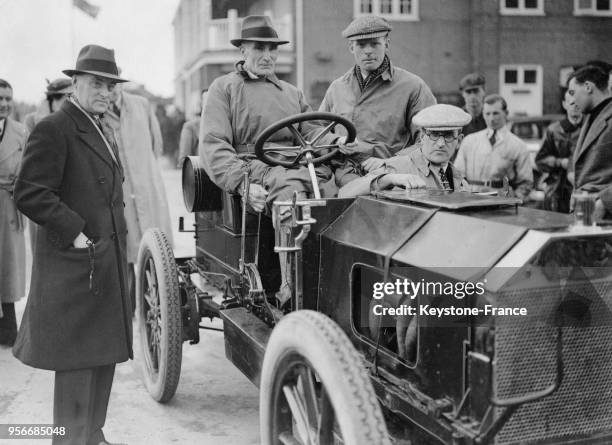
(101, 179)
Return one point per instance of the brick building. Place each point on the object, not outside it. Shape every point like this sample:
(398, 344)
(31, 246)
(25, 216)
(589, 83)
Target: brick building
(525, 48)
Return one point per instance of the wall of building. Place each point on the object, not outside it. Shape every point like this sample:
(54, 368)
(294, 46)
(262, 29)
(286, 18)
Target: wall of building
(555, 40)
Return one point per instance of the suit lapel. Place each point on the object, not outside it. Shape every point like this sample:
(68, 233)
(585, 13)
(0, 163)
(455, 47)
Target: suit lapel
(585, 139)
(88, 133)
(11, 142)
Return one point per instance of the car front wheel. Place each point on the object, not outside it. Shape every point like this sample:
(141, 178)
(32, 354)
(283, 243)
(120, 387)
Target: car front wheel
(314, 389)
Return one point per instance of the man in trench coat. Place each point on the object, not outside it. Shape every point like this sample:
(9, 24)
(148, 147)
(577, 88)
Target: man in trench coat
(140, 142)
(12, 242)
(77, 319)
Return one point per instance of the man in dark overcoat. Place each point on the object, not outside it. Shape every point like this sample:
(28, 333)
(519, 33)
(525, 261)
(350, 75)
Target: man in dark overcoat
(588, 88)
(77, 319)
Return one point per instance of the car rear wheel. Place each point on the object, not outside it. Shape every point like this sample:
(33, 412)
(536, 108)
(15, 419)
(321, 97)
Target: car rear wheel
(158, 310)
(314, 389)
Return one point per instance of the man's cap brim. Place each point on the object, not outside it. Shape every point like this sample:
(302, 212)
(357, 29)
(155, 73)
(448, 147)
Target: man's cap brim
(448, 128)
(371, 35)
(95, 73)
(65, 90)
(238, 42)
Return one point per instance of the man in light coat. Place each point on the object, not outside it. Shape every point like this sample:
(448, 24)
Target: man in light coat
(494, 159)
(380, 99)
(77, 319)
(140, 142)
(13, 137)
(588, 88)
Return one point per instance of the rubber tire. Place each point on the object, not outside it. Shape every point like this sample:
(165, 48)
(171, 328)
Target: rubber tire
(163, 383)
(319, 340)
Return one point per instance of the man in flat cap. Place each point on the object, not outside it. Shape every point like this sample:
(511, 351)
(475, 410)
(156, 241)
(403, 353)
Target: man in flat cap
(427, 163)
(472, 87)
(77, 320)
(378, 97)
(494, 159)
(238, 107)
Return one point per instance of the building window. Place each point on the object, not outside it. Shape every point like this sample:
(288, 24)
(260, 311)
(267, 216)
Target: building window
(510, 76)
(593, 7)
(389, 9)
(521, 7)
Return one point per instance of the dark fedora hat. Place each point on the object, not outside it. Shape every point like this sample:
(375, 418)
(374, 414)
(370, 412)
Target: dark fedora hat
(257, 28)
(96, 60)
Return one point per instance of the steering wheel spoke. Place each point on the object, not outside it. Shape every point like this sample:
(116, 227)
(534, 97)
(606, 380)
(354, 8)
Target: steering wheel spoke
(323, 132)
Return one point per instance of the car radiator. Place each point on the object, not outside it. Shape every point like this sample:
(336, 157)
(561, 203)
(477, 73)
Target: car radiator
(525, 352)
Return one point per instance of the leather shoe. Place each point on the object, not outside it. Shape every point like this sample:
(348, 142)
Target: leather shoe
(104, 442)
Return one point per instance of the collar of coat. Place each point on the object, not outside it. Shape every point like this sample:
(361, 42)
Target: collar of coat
(247, 75)
(386, 75)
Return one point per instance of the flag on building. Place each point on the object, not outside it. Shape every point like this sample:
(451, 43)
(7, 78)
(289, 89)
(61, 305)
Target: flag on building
(86, 7)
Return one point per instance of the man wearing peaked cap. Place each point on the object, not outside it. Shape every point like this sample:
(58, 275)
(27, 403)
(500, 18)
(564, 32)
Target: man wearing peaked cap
(427, 164)
(472, 87)
(380, 99)
(77, 320)
(57, 92)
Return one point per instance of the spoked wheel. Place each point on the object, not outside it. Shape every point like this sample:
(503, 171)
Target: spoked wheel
(314, 389)
(159, 315)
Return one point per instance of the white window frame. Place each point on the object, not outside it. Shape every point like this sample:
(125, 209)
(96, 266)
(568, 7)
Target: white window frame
(395, 15)
(521, 10)
(578, 11)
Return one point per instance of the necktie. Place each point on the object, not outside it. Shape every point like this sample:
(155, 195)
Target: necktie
(444, 179)
(109, 135)
(492, 138)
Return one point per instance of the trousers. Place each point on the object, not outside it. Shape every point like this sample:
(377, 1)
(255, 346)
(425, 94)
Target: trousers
(80, 401)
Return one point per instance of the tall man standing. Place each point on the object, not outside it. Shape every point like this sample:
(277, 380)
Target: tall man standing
(588, 87)
(77, 319)
(492, 156)
(12, 241)
(379, 98)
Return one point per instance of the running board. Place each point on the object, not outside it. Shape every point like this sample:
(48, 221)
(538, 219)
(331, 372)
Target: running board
(246, 337)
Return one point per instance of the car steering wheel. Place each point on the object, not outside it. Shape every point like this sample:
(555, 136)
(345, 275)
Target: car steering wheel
(309, 151)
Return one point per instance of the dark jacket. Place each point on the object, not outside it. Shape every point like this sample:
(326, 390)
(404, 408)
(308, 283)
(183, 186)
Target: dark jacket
(559, 142)
(593, 157)
(68, 183)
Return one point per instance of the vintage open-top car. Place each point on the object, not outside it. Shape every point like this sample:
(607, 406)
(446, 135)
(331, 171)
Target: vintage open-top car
(354, 357)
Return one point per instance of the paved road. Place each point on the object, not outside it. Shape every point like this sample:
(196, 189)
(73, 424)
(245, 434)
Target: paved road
(214, 403)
